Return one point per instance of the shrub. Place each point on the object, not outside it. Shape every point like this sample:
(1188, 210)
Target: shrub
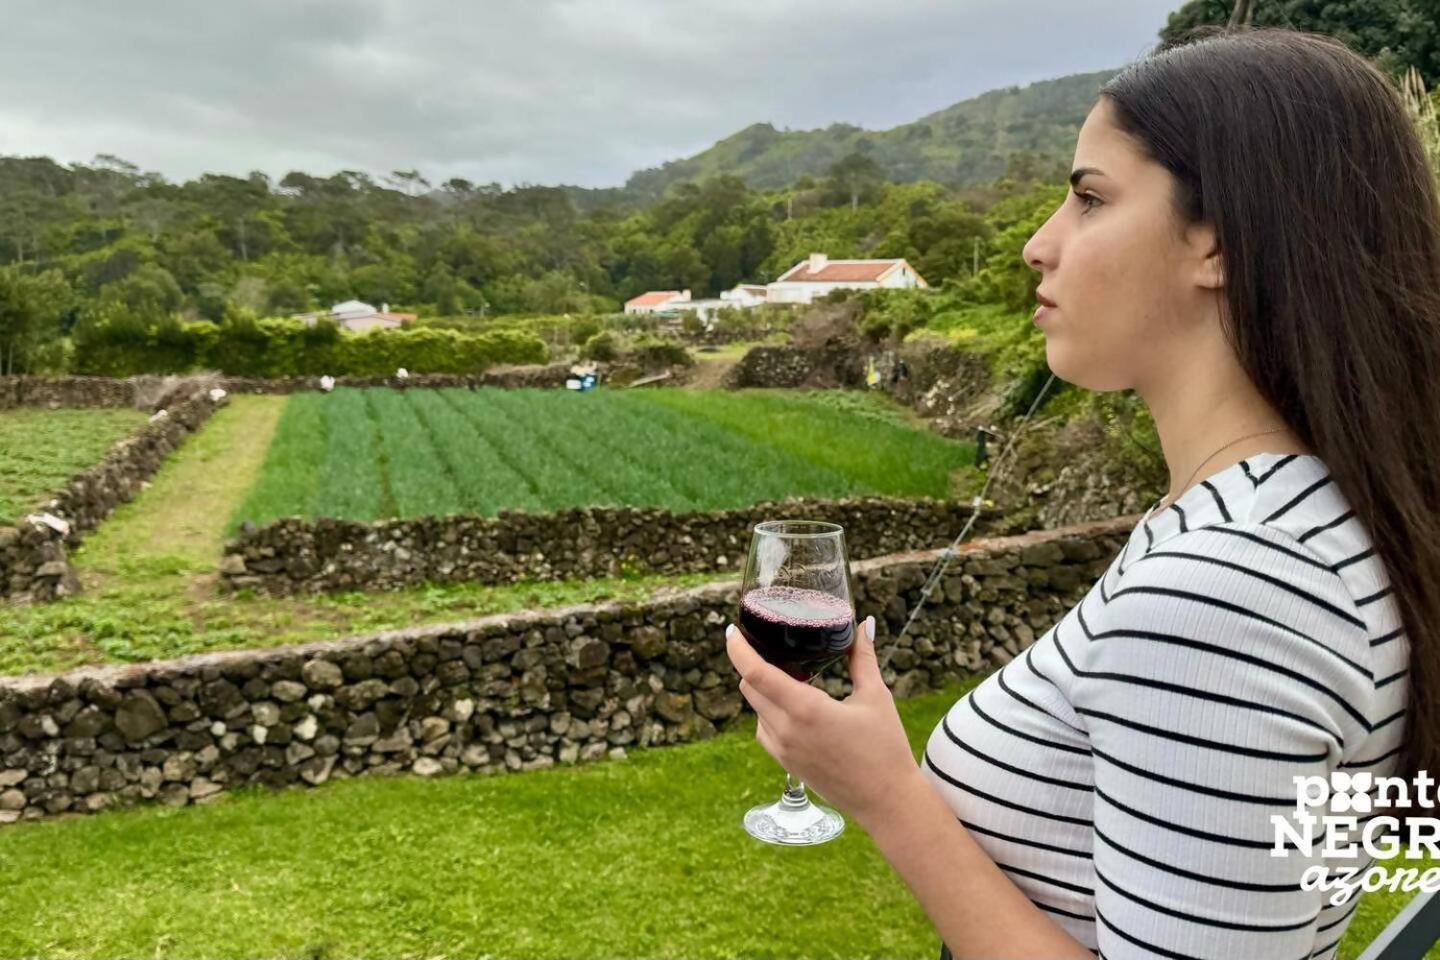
(243, 345)
(604, 345)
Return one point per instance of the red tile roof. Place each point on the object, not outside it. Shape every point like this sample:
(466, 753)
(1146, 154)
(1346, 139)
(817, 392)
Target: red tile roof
(838, 271)
(651, 298)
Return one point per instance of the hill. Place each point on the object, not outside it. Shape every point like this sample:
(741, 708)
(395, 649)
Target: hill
(966, 143)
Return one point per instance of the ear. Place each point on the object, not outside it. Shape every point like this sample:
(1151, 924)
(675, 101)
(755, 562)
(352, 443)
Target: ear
(1204, 248)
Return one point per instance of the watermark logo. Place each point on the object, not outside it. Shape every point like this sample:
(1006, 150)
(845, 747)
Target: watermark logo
(1350, 829)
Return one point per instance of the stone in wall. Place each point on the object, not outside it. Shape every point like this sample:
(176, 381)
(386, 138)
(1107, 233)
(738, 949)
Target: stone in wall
(506, 693)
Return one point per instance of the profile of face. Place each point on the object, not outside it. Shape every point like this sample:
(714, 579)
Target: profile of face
(1133, 285)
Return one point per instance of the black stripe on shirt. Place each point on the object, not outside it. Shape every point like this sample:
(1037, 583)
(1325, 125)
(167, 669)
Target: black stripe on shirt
(1275, 469)
(1378, 641)
(1064, 913)
(1152, 948)
(1062, 884)
(1390, 719)
(1298, 499)
(1000, 801)
(1285, 802)
(1195, 918)
(1246, 612)
(1219, 501)
(1364, 601)
(1187, 831)
(1203, 742)
(1275, 581)
(1326, 526)
(1304, 556)
(1178, 640)
(1342, 564)
(1391, 679)
(1025, 841)
(1000, 677)
(1200, 877)
(1018, 771)
(1016, 733)
(1200, 694)
(1350, 764)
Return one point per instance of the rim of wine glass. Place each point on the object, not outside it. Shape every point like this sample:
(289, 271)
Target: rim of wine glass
(822, 528)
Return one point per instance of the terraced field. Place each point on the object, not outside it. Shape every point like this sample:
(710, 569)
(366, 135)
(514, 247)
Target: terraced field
(368, 454)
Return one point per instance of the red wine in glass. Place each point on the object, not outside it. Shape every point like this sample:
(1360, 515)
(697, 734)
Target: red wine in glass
(797, 611)
(801, 631)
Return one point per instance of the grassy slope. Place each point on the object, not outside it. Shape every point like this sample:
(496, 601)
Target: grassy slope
(41, 449)
(642, 858)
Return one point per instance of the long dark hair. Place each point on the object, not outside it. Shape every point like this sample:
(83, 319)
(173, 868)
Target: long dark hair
(1302, 156)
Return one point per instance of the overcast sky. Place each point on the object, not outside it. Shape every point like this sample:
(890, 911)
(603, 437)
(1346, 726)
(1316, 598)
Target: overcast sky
(514, 91)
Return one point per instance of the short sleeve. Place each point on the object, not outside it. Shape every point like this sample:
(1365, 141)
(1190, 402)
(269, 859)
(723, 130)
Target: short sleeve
(1217, 668)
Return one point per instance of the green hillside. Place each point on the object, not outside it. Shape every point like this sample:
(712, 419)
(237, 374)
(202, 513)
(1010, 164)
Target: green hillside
(966, 143)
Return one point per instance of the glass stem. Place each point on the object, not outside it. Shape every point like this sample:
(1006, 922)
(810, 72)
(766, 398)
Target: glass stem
(794, 795)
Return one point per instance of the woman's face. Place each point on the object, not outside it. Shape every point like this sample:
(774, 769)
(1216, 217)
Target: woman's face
(1126, 278)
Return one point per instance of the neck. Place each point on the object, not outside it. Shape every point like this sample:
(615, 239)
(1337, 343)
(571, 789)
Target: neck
(1200, 406)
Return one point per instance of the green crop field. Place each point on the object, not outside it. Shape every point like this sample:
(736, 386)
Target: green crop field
(369, 454)
(41, 449)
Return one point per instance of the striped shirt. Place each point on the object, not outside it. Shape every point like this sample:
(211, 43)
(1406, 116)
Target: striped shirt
(1122, 771)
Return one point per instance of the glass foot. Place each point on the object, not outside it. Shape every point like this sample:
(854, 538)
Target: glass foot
(793, 821)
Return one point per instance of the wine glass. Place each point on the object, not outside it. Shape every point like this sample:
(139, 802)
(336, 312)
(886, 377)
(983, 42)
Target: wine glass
(797, 611)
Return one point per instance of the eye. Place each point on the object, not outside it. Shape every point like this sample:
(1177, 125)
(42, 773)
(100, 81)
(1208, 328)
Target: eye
(1088, 200)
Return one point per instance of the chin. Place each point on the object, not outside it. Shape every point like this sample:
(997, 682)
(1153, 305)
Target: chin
(1079, 371)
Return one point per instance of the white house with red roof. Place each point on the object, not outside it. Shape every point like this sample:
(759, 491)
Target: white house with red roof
(658, 301)
(817, 275)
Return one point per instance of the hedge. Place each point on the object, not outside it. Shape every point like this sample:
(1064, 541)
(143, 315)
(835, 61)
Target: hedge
(280, 347)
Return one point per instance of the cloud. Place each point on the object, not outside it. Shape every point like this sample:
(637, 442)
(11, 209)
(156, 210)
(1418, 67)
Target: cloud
(538, 91)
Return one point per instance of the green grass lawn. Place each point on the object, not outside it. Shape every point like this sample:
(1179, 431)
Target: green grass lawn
(640, 858)
(40, 449)
(367, 454)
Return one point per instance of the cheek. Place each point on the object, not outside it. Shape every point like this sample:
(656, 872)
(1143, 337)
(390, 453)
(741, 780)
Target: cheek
(1113, 295)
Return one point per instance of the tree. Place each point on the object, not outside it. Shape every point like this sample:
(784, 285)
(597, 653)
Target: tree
(855, 174)
(1396, 34)
(30, 308)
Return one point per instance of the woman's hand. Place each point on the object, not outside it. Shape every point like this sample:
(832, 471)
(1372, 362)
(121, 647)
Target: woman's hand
(853, 752)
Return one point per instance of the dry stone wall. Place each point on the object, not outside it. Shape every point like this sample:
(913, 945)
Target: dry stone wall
(509, 692)
(293, 555)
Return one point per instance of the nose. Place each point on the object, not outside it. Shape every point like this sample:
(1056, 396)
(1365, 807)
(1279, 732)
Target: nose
(1039, 251)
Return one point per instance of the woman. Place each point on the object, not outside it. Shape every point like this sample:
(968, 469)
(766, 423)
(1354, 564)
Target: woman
(1251, 244)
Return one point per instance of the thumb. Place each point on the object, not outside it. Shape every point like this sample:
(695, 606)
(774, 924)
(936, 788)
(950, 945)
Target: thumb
(864, 667)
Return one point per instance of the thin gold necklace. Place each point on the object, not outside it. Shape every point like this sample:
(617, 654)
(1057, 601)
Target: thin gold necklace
(1202, 463)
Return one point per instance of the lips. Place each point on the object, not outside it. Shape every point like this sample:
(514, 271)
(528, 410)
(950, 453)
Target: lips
(1044, 306)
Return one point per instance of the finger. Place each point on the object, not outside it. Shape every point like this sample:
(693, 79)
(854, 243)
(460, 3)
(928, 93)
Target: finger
(767, 739)
(778, 686)
(766, 710)
(865, 673)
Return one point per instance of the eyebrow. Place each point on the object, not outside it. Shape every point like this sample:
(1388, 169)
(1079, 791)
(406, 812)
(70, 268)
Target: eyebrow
(1075, 175)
